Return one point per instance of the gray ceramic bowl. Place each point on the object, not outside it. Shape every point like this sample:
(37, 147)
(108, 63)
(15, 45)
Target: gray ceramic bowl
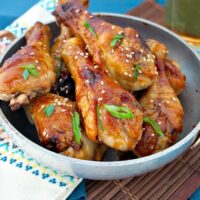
(25, 135)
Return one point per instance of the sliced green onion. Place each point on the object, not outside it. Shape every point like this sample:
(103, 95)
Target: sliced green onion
(76, 128)
(49, 110)
(29, 69)
(116, 39)
(136, 70)
(90, 28)
(120, 112)
(25, 74)
(154, 124)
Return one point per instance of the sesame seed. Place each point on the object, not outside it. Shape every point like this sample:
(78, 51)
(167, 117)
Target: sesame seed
(159, 122)
(133, 53)
(152, 135)
(96, 66)
(112, 27)
(102, 24)
(127, 61)
(112, 51)
(151, 147)
(87, 81)
(56, 100)
(136, 35)
(130, 75)
(76, 57)
(125, 73)
(69, 47)
(77, 10)
(167, 102)
(151, 100)
(164, 51)
(103, 91)
(100, 99)
(159, 104)
(143, 129)
(102, 83)
(140, 71)
(36, 61)
(127, 48)
(116, 82)
(90, 16)
(82, 54)
(86, 67)
(32, 54)
(42, 106)
(144, 59)
(63, 110)
(59, 103)
(141, 50)
(86, 12)
(120, 32)
(174, 98)
(44, 133)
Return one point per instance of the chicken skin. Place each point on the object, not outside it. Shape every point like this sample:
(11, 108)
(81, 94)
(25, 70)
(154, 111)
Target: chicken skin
(29, 72)
(173, 73)
(55, 128)
(110, 114)
(119, 50)
(160, 104)
(56, 50)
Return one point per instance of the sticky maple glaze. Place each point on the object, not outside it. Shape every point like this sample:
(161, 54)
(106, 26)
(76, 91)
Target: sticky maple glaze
(177, 79)
(56, 131)
(161, 104)
(94, 89)
(119, 60)
(13, 86)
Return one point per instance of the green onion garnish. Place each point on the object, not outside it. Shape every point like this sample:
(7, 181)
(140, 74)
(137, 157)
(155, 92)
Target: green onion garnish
(76, 128)
(49, 110)
(154, 124)
(29, 69)
(120, 112)
(136, 70)
(116, 39)
(90, 28)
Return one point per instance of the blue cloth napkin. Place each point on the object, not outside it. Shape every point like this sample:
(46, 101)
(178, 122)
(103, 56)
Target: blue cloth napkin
(79, 193)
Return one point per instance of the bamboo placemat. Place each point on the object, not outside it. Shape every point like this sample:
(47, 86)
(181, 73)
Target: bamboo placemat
(175, 181)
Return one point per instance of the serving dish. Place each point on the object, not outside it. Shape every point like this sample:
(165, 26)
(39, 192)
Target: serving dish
(24, 135)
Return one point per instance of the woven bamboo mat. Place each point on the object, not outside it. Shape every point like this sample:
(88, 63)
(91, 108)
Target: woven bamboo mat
(176, 181)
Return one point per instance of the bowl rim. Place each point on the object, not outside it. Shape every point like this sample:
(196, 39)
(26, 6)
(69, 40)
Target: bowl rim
(192, 134)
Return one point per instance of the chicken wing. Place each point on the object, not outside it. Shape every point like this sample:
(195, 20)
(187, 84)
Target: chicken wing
(29, 72)
(121, 50)
(173, 73)
(65, 34)
(160, 104)
(96, 94)
(52, 115)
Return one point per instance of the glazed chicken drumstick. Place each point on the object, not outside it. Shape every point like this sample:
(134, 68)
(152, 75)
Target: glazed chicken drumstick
(172, 71)
(52, 115)
(30, 71)
(120, 50)
(110, 114)
(162, 107)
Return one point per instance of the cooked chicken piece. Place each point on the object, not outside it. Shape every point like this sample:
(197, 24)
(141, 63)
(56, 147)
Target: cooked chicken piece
(65, 34)
(53, 115)
(121, 50)
(173, 72)
(176, 78)
(102, 102)
(160, 104)
(29, 72)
